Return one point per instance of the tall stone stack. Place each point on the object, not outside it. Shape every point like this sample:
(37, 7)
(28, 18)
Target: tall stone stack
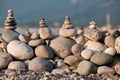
(44, 31)
(10, 22)
(67, 29)
(10, 25)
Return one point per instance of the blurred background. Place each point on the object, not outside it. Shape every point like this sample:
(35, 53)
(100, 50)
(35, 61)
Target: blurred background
(29, 12)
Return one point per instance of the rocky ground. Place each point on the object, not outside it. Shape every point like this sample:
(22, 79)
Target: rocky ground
(31, 75)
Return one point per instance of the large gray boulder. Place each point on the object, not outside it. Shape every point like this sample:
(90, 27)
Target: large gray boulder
(5, 59)
(9, 35)
(20, 50)
(44, 51)
(40, 64)
(86, 68)
(62, 46)
(101, 59)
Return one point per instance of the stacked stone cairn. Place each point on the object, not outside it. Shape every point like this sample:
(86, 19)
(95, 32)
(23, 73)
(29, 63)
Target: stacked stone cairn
(85, 54)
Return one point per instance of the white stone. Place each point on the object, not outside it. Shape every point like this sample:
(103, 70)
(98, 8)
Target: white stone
(67, 32)
(20, 50)
(110, 51)
(87, 54)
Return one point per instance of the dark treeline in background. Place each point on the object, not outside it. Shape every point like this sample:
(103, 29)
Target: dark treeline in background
(29, 12)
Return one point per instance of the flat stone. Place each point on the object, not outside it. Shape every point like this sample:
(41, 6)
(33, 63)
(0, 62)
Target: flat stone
(9, 35)
(109, 41)
(67, 32)
(36, 42)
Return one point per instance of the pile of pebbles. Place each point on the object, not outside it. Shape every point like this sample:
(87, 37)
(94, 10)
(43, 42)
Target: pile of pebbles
(85, 54)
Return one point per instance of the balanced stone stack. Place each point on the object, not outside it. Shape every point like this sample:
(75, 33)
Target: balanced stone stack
(67, 29)
(10, 34)
(10, 21)
(44, 31)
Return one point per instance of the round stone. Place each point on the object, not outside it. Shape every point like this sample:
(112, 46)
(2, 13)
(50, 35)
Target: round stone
(67, 32)
(101, 59)
(58, 71)
(36, 42)
(80, 39)
(72, 60)
(95, 46)
(34, 36)
(117, 45)
(87, 54)
(105, 70)
(62, 46)
(17, 65)
(76, 49)
(117, 68)
(92, 34)
(86, 68)
(23, 38)
(110, 51)
(40, 64)
(9, 35)
(20, 50)
(109, 41)
(44, 51)
(45, 33)
(5, 59)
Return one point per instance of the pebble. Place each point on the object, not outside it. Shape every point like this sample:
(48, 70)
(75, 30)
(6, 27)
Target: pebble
(44, 51)
(86, 68)
(117, 45)
(34, 36)
(16, 65)
(23, 38)
(101, 59)
(105, 70)
(109, 41)
(110, 51)
(87, 54)
(76, 49)
(36, 42)
(62, 46)
(20, 50)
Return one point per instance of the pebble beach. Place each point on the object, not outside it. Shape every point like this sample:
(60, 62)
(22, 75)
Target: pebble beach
(65, 53)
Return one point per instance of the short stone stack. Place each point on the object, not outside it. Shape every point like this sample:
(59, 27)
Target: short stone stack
(44, 31)
(67, 29)
(10, 22)
(10, 34)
